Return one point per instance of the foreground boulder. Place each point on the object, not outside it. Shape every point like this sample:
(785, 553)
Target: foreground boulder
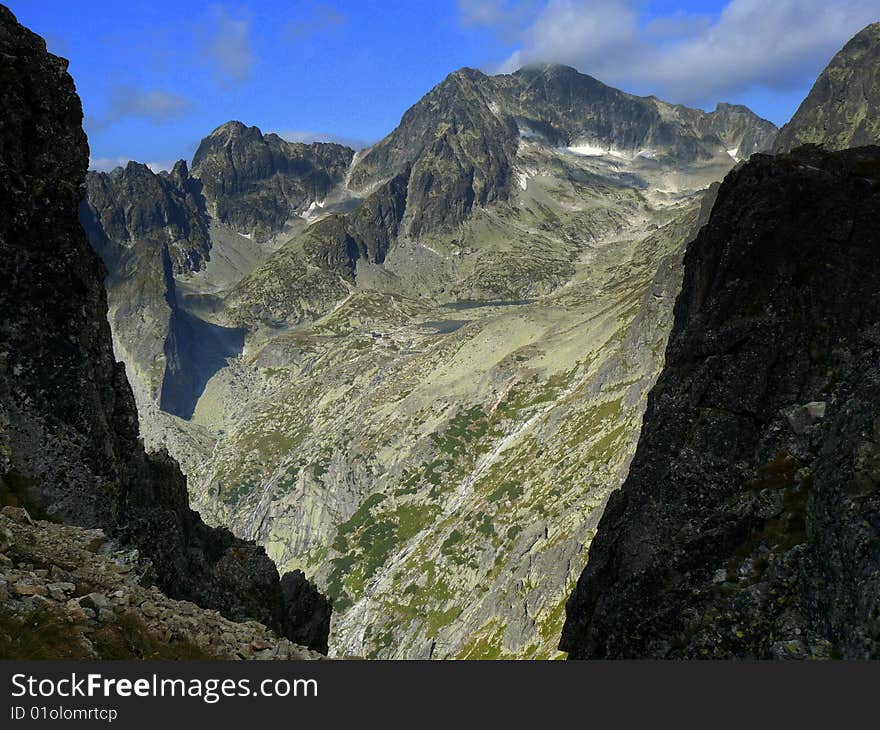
(749, 524)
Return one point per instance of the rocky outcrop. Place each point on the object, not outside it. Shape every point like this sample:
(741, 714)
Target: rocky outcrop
(255, 182)
(843, 108)
(741, 131)
(68, 424)
(749, 524)
(133, 206)
(68, 592)
(307, 617)
(339, 241)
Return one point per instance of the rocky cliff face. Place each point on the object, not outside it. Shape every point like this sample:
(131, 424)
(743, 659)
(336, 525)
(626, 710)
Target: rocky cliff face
(69, 443)
(134, 206)
(254, 182)
(843, 108)
(749, 524)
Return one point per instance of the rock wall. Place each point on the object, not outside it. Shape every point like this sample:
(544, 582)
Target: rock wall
(749, 524)
(69, 446)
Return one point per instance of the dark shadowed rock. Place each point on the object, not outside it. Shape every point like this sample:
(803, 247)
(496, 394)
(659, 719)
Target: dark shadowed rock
(306, 612)
(843, 108)
(68, 424)
(135, 205)
(749, 524)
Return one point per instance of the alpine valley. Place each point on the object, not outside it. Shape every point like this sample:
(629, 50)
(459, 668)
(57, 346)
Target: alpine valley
(417, 371)
(550, 369)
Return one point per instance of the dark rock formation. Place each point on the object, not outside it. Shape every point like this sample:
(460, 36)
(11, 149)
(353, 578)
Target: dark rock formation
(739, 129)
(459, 153)
(307, 618)
(255, 182)
(749, 525)
(338, 241)
(843, 108)
(68, 424)
(134, 205)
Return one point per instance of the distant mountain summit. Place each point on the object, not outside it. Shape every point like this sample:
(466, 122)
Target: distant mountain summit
(843, 108)
(460, 141)
(254, 182)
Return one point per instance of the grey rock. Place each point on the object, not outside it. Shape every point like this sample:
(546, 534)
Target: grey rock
(800, 418)
(843, 108)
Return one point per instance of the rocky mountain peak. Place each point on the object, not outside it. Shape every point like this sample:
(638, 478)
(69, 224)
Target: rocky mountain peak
(843, 108)
(255, 183)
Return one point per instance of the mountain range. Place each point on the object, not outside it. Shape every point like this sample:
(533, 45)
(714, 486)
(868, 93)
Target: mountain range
(416, 373)
(401, 369)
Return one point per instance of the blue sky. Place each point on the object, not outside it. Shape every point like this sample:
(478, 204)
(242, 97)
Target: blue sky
(155, 77)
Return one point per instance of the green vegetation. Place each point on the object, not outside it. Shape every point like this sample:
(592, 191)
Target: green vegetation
(50, 635)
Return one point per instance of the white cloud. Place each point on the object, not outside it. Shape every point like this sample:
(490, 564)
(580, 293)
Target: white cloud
(689, 58)
(160, 165)
(322, 18)
(228, 47)
(105, 164)
(126, 101)
(155, 105)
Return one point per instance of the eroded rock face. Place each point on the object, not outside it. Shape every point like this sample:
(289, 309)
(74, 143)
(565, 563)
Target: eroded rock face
(749, 524)
(307, 617)
(68, 423)
(254, 182)
(843, 108)
(135, 205)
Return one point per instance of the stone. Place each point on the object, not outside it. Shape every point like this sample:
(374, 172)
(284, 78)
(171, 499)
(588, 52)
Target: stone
(6, 539)
(106, 615)
(17, 514)
(23, 588)
(95, 601)
(801, 418)
(60, 591)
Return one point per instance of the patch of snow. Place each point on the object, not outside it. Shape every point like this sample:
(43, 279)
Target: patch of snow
(588, 150)
(313, 210)
(526, 132)
(734, 153)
